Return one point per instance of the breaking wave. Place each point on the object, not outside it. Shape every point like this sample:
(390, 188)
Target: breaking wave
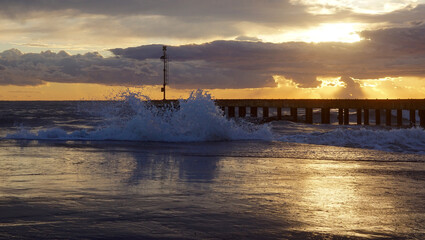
(410, 140)
(135, 118)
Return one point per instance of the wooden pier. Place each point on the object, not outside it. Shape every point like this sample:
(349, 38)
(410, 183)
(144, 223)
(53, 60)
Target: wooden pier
(361, 107)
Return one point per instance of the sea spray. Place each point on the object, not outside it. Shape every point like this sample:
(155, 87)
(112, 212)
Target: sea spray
(135, 118)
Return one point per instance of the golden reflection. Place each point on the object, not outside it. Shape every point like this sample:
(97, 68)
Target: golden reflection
(330, 198)
(320, 196)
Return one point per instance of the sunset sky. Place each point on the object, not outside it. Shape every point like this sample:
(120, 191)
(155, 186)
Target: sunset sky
(73, 49)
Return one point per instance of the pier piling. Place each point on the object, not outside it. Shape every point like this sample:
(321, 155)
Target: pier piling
(346, 116)
(363, 108)
(279, 113)
(399, 117)
(412, 117)
(231, 111)
(265, 112)
(388, 117)
(242, 112)
(326, 115)
(359, 116)
(377, 117)
(366, 116)
(309, 115)
(422, 118)
(294, 114)
(253, 112)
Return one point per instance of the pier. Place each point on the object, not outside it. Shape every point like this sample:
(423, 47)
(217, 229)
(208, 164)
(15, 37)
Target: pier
(361, 107)
(303, 109)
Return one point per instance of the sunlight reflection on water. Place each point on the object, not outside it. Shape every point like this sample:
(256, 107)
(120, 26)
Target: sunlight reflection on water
(222, 189)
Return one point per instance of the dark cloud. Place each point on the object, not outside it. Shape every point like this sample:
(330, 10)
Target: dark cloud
(408, 14)
(240, 10)
(402, 40)
(390, 52)
(350, 90)
(35, 69)
(280, 12)
(184, 20)
(188, 20)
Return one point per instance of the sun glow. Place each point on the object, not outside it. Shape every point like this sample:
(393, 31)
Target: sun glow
(331, 82)
(368, 7)
(333, 32)
(325, 32)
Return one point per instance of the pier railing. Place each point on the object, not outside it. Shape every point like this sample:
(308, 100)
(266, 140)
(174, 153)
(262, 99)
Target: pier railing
(362, 108)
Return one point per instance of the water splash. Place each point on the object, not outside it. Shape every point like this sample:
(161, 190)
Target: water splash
(135, 118)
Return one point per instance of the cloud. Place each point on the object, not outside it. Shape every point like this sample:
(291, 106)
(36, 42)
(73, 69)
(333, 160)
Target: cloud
(248, 38)
(351, 89)
(35, 69)
(387, 53)
(240, 10)
(223, 64)
(105, 23)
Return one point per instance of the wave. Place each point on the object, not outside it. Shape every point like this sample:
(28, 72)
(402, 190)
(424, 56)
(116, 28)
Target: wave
(135, 118)
(410, 140)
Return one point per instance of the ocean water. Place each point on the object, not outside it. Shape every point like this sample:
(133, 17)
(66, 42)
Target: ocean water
(129, 170)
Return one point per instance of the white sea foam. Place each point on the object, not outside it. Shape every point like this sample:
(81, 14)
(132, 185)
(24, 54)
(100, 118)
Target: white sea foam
(195, 119)
(395, 140)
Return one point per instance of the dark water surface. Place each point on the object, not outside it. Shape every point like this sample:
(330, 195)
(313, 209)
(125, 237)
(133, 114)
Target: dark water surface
(214, 190)
(62, 177)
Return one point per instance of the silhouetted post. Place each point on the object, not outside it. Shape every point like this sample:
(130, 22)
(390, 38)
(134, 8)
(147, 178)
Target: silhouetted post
(377, 117)
(309, 115)
(279, 113)
(366, 116)
(253, 112)
(346, 116)
(399, 117)
(422, 118)
(242, 112)
(265, 112)
(328, 118)
(340, 116)
(359, 116)
(165, 59)
(294, 114)
(388, 117)
(231, 112)
(412, 117)
(326, 115)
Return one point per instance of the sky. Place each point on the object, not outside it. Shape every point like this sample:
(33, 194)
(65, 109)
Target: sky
(95, 49)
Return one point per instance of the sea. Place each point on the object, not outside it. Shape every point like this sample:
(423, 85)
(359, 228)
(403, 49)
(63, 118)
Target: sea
(130, 169)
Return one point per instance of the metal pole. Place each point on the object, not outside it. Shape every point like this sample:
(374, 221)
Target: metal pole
(165, 59)
(164, 49)
(164, 74)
